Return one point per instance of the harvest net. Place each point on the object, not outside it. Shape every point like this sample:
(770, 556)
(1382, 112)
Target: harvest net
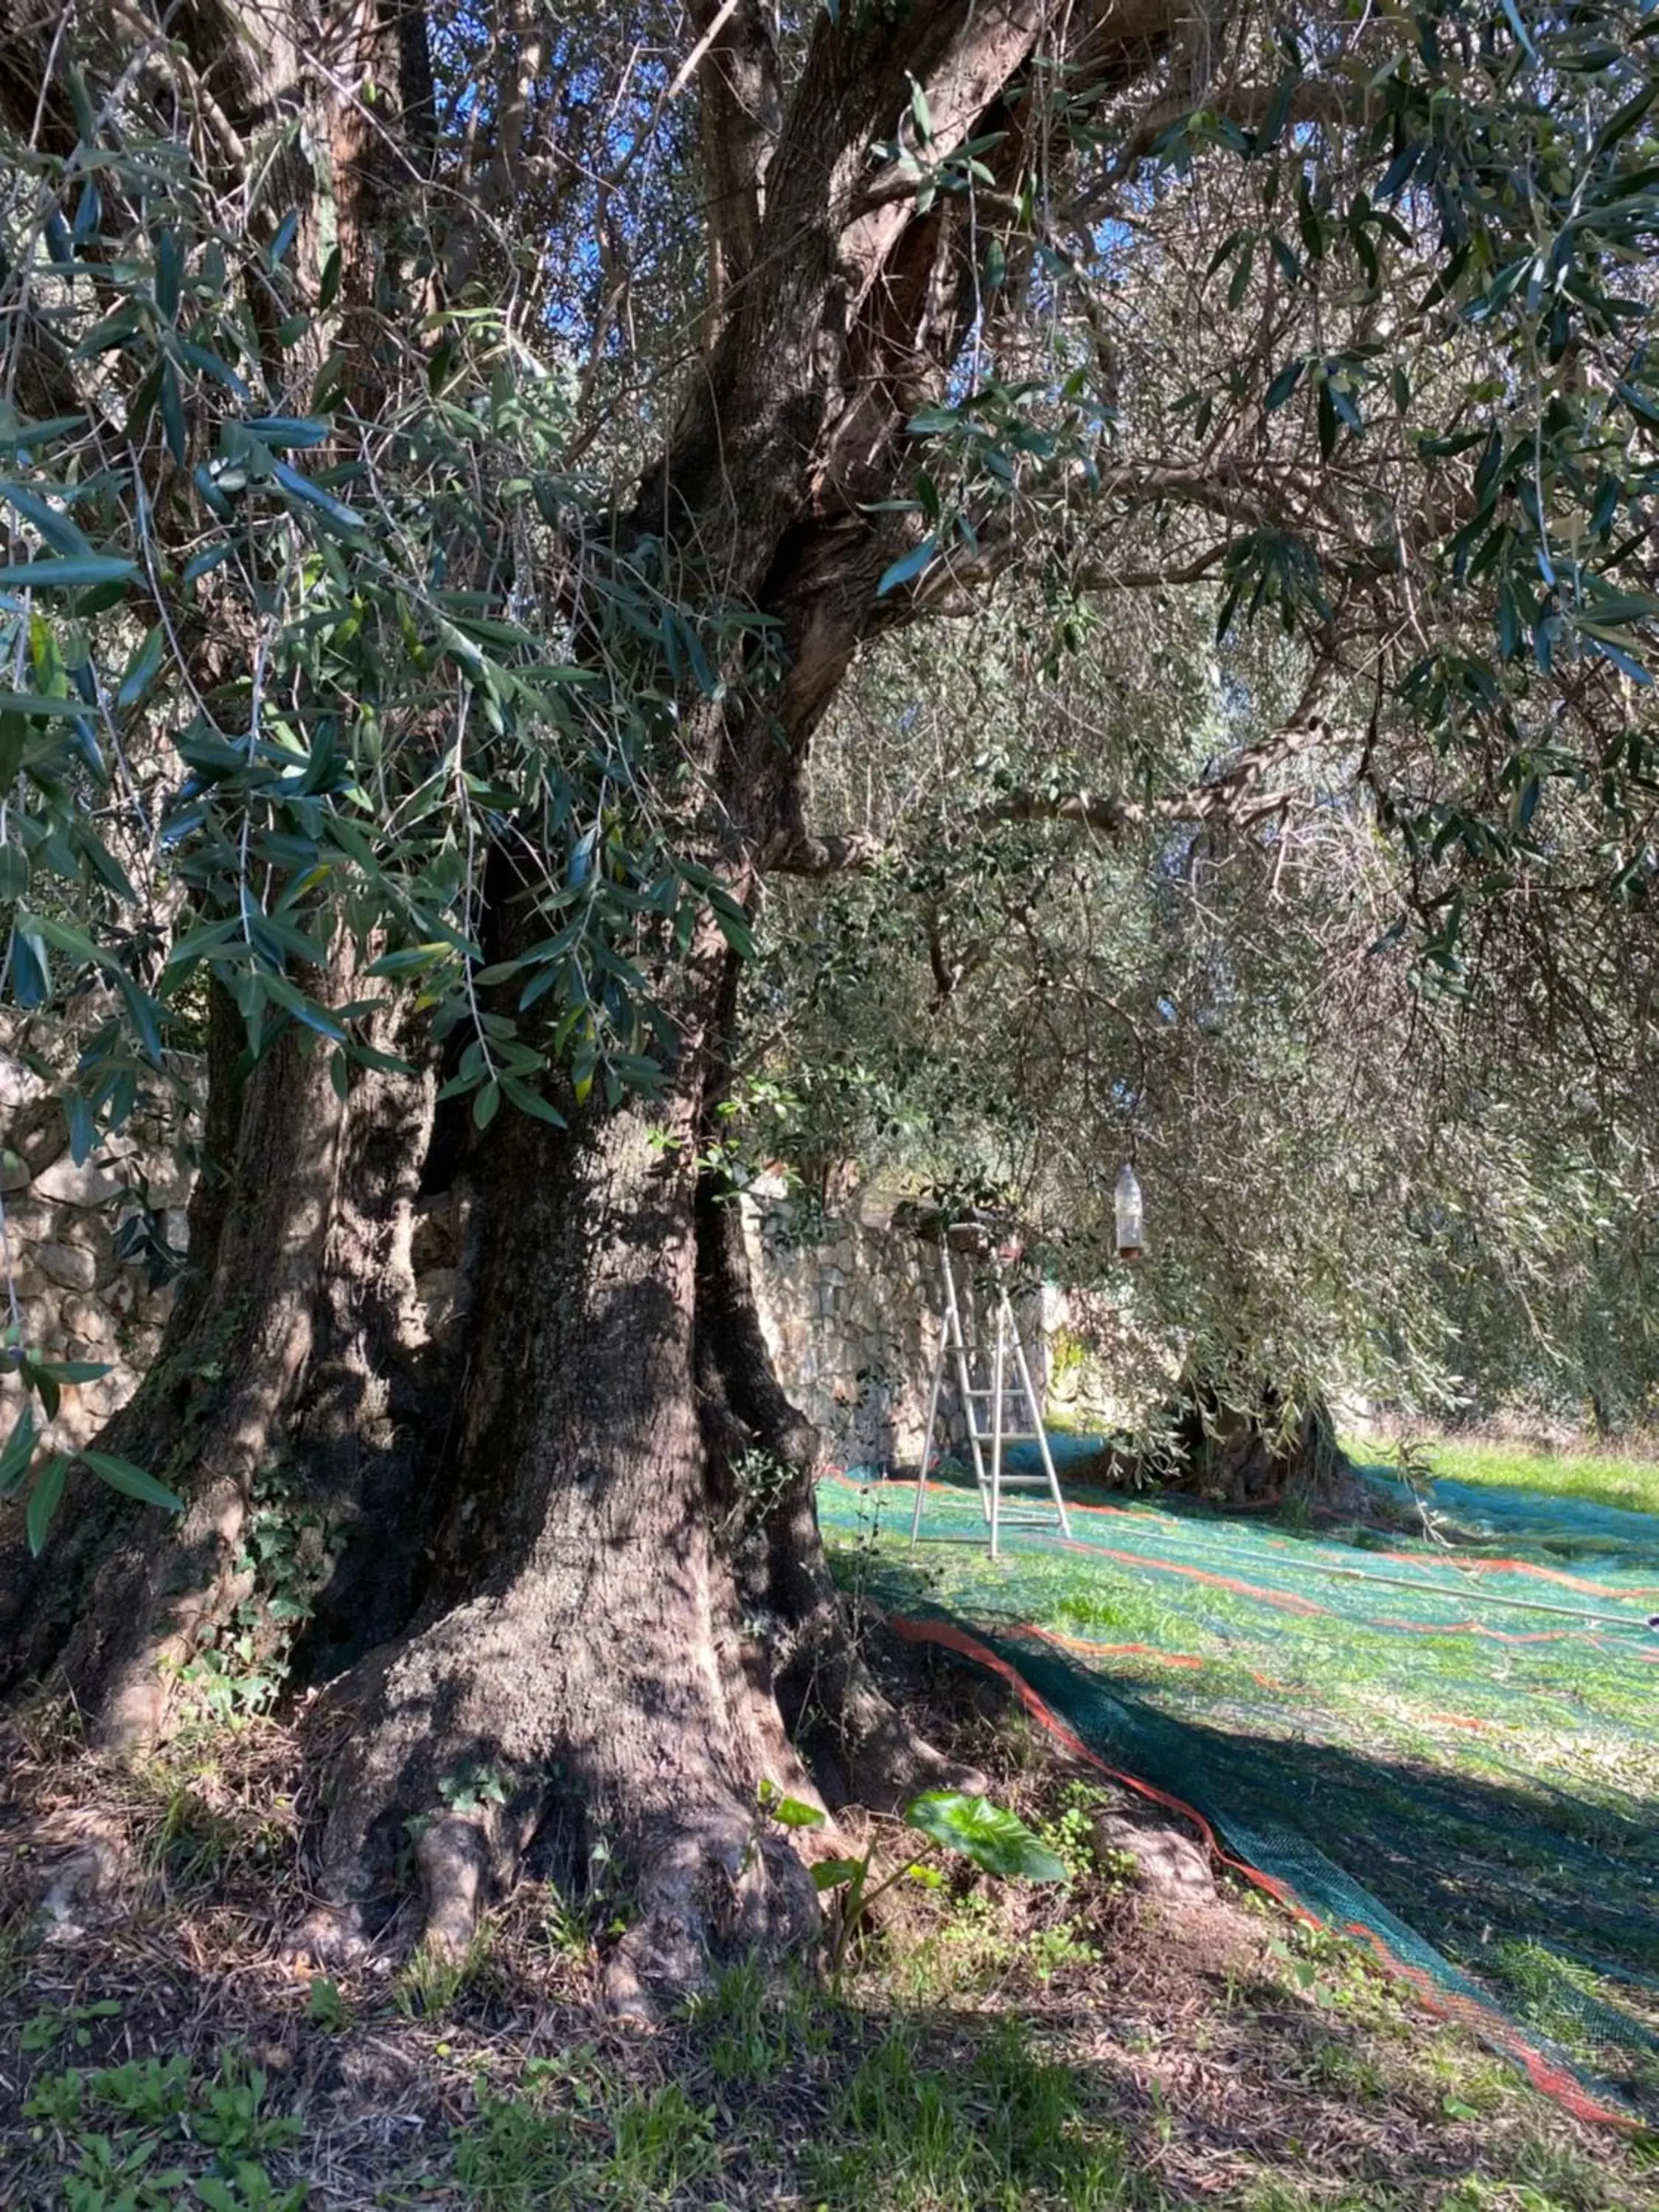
(1450, 1753)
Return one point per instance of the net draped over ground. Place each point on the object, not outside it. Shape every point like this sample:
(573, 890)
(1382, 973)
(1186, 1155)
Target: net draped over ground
(1450, 1751)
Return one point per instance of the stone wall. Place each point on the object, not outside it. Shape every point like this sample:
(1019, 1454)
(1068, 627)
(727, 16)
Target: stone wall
(92, 1247)
(849, 1305)
(852, 1312)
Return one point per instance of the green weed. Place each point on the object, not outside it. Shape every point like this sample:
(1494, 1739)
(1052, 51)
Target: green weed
(148, 2092)
(1002, 2130)
(1070, 1833)
(1052, 1950)
(574, 2138)
(565, 1929)
(46, 2028)
(119, 2176)
(325, 2007)
(231, 2117)
(427, 1984)
(515, 2156)
(129, 2138)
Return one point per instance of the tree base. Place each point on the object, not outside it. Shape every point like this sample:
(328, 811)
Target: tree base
(590, 1646)
(1241, 1462)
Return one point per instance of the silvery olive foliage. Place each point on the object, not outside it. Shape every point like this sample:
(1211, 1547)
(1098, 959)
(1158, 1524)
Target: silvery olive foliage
(1252, 752)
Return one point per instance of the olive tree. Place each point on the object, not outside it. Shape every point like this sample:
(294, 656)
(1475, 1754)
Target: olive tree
(453, 462)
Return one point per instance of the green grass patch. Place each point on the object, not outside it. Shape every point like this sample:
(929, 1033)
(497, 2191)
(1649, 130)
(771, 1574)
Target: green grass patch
(156, 2135)
(1587, 1476)
(1003, 2129)
(579, 2135)
(1460, 1733)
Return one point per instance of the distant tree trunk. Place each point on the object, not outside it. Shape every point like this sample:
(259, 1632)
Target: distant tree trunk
(1245, 1461)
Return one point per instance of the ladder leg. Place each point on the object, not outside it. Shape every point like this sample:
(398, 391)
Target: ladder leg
(996, 1427)
(1041, 1426)
(965, 1381)
(932, 1418)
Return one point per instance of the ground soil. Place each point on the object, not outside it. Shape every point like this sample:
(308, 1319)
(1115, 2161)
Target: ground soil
(1228, 2057)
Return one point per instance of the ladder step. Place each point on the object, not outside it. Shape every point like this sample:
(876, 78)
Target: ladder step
(1005, 1408)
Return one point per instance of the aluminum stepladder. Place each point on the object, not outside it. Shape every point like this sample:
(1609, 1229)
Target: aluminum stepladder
(986, 1404)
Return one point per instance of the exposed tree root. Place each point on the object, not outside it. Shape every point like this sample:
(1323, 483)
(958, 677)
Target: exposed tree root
(598, 1634)
(452, 1856)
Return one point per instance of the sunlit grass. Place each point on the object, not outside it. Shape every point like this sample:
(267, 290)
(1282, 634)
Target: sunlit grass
(1588, 1476)
(1464, 1724)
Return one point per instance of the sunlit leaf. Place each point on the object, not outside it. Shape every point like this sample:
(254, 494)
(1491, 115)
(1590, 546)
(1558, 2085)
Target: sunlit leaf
(910, 565)
(996, 1840)
(19, 1451)
(131, 1481)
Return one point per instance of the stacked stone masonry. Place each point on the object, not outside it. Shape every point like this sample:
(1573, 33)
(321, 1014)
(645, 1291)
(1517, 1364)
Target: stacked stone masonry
(91, 1248)
(850, 1306)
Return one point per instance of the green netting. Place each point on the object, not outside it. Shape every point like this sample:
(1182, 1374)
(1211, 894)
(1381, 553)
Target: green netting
(1452, 1754)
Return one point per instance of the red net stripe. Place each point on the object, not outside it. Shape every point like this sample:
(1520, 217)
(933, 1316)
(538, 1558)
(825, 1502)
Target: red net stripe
(1483, 2019)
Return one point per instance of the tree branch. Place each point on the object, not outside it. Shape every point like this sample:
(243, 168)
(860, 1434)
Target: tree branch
(742, 115)
(1145, 580)
(1238, 794)
(521, 60)
(799, 854)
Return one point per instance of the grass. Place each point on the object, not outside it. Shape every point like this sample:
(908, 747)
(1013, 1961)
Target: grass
(902, 2130)
(1471, 1742)
(576, 2137)
(1589, 1477)
(1003, 2127)
(1080, 2047)
(997, 2047)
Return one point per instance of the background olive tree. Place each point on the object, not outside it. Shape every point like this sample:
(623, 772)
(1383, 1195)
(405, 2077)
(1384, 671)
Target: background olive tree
(1369, 1170)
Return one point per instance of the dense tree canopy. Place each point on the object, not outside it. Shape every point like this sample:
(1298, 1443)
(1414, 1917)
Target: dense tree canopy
(1364, 1171)
(454, 462)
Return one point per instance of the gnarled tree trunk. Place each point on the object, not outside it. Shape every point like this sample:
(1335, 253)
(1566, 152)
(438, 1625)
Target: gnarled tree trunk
(578, 1636)
(539, 1518)
(286, 1371)
(536, 1519)
(1247, 1459)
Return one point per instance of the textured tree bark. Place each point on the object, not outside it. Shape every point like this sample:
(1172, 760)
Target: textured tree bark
(286, 1357)
(1247, 1463)
(858, 1748)
(578, 1641)
(277, 1357)
(543, 1524)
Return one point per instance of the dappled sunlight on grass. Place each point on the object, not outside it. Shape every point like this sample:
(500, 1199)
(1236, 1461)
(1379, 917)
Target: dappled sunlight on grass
(1449, 1739)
